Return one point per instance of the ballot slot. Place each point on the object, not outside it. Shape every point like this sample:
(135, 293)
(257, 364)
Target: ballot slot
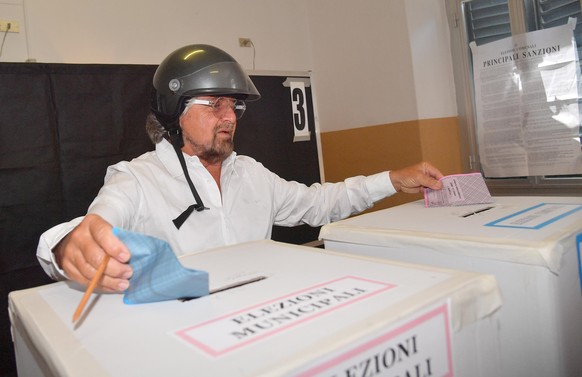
(476, 212)
(227, 287)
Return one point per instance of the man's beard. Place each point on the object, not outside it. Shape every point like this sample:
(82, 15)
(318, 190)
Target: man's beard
(219, 148)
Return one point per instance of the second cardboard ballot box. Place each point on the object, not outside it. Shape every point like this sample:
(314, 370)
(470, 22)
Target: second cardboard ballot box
(532, 246)
(278, 310)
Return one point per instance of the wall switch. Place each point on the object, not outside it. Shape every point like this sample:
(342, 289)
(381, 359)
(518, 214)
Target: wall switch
(14, 27)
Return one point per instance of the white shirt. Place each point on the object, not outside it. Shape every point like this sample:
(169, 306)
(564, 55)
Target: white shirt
(146, 194)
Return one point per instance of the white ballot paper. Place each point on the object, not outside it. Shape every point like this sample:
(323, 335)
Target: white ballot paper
(459, 190)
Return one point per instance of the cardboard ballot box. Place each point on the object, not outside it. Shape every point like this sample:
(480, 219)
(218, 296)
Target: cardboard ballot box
(532, 246)
(279, 310)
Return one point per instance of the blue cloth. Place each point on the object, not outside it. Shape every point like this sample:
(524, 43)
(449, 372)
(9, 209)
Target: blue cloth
(157, 273)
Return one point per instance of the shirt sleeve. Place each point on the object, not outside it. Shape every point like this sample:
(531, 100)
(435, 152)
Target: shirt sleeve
(118, 199)
(50, 239)
(320, 204)
(379, 186)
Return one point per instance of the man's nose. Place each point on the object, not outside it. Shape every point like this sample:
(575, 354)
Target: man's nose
(229, 114)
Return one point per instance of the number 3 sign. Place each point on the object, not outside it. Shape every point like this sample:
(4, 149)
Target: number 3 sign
(299, 111)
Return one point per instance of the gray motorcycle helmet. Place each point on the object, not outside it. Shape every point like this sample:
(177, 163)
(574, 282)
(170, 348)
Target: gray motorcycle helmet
(197, 70)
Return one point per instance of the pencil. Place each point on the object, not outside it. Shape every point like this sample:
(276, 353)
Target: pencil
(91, 287)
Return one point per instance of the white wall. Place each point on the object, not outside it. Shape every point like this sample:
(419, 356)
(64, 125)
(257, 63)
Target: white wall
(373, 61)
(362, 63)
(14, 45)
(145, 31)
(431, 58)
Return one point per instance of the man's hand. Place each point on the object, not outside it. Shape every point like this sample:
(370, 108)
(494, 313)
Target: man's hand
(80, 253)
(413, 179)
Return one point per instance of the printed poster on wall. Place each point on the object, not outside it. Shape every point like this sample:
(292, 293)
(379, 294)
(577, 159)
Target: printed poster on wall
(526, 91)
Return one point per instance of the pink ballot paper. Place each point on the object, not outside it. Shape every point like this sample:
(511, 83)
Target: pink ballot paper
(458, 190)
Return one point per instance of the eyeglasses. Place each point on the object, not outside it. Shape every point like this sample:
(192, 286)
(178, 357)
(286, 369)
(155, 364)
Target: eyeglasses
(221, 105)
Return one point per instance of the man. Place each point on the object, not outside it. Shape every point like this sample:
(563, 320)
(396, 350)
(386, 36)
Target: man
(199, 94)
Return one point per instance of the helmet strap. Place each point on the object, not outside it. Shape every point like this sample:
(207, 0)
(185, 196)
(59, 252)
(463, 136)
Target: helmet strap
(176, 140)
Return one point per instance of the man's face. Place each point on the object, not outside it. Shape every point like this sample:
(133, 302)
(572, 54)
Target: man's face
(207, 133)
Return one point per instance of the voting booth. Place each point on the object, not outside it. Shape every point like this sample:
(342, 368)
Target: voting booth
(531, 245)
(276, 309)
